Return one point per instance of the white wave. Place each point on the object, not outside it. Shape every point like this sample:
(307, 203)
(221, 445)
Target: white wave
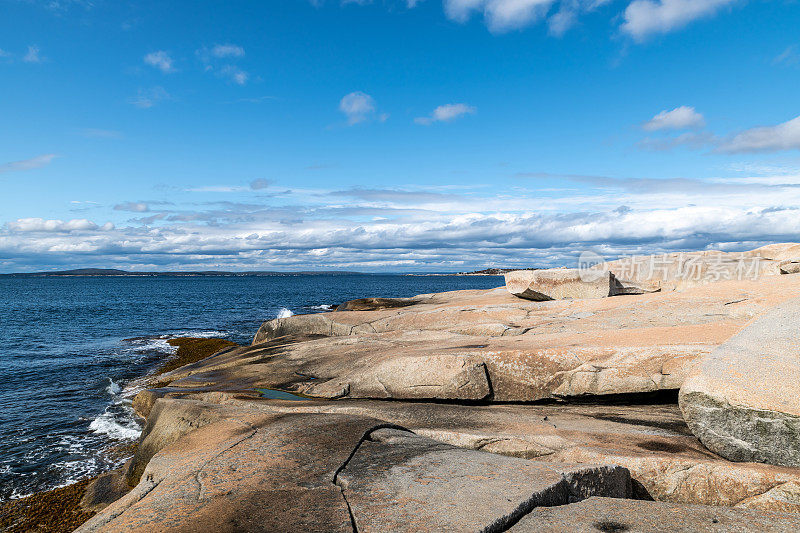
(113, 388)
(156, 345)
(134, 387)
(199, 334)
(284, 313)
(118, 428)
(323, 307)
(16, 494)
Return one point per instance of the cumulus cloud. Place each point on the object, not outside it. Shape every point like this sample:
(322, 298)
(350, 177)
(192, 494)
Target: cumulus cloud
(506, 15)
(680, 118)
(28, 164)
(32, 55)
(446, 113)
(500, 15)
(643, 18)
(24, 225)
(160, 60)
(136, 207)
(785, 136)
(358, 107)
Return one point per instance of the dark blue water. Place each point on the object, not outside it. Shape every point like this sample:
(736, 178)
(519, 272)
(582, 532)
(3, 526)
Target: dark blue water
(67, 372)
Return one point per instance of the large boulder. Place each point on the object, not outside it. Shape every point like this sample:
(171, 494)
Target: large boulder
(559, 284)
(790, 266)
(676, 271)
(742, 400)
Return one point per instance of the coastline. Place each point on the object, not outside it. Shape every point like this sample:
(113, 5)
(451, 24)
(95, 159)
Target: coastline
(433, 410)
(63, 509)
(379, 390)
(111, 332)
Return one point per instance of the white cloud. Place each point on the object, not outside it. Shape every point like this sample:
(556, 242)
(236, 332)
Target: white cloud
(220, 59)
(160, 60)
(680, 118)
(427, 228)
(147, 98)
(136, 207)
(357, 106)
(28, 164)
(234, 73)
(32, 56)
(23, 225)
(227, 50)
(643, 18)
(446, 113)
(500, 15)
(785, 136)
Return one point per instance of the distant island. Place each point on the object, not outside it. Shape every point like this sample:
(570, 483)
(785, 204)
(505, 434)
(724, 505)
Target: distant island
(113, 272)
(484, 272)
(491, 271)
(108, 272)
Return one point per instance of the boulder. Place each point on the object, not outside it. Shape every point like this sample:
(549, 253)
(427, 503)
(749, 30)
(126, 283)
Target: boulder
(742, 400)
(559, 284)
(676, 271)
(633, 516)
(790, 266)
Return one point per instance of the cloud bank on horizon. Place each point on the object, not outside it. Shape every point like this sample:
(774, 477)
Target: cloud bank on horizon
(317, 136)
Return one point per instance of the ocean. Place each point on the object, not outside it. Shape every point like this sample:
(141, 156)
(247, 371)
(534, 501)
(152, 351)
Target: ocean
(75, 347)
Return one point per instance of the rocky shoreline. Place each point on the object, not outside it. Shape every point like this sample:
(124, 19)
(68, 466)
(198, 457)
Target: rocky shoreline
(551, 404)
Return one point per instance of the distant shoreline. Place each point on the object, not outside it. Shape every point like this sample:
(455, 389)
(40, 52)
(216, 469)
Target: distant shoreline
(113, 273)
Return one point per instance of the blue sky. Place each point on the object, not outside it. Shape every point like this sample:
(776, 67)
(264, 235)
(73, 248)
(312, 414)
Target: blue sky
(393, 135)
